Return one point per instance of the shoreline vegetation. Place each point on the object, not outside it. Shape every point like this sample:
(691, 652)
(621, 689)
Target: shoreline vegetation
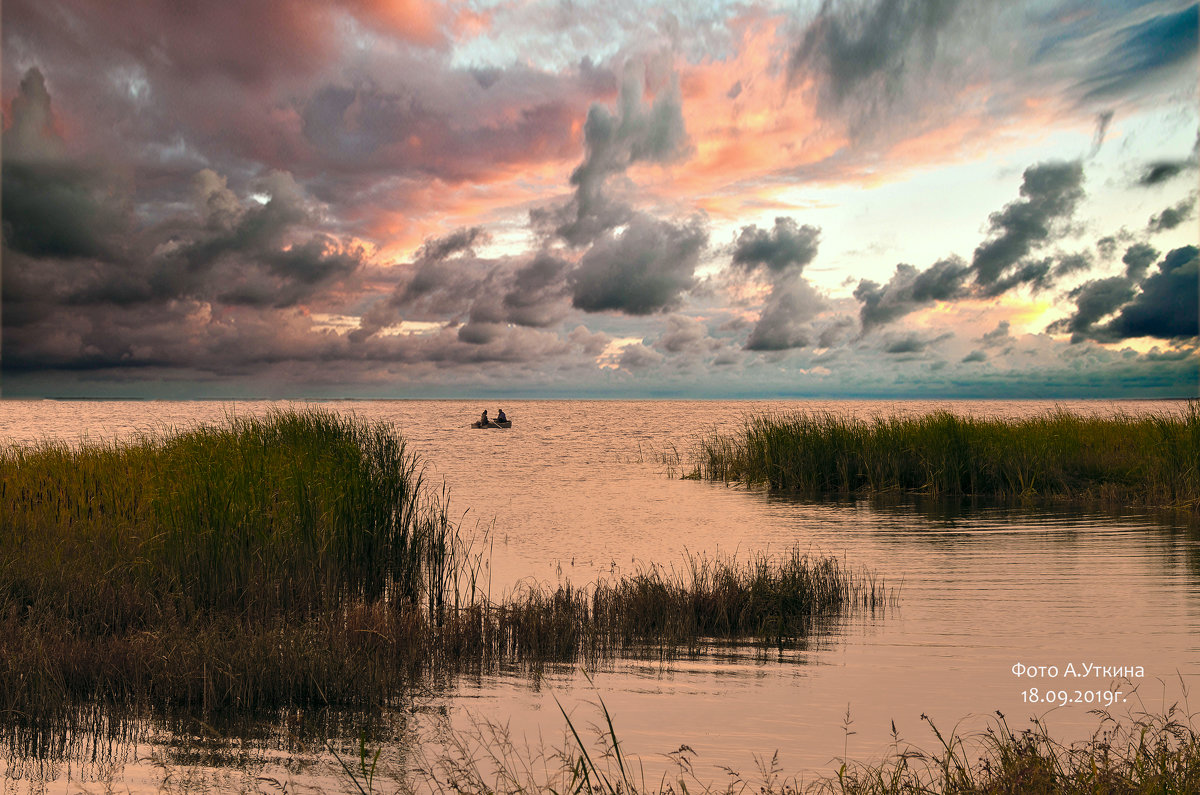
(1143, 754)
(301, 560)
(1055, 458)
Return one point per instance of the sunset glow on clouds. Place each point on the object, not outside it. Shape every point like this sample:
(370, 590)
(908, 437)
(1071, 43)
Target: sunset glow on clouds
(407, 198)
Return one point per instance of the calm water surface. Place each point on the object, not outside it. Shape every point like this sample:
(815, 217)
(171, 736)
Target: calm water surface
(577, 490)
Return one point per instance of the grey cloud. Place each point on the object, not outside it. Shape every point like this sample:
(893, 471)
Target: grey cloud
(974, 356)
(682, 334)
(638, 357)
(1001, 335)
(644, 268)
(787, 245)
(909, 290)
(593, 343)
(1050, 193)
(1035, 273)
(867, 47)
(32, 135)
(1164, 170)
(612, 143)
(904, 343)
(1143, 52)
(1167, 306)
(835, 332)
(437, 285)
(1138, 259)
(1173, 216)
(785, 320)
(1069, 264)
(537, 295)
(1093, 301)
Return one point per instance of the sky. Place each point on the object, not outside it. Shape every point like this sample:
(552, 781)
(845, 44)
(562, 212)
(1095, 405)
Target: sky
(522, 198)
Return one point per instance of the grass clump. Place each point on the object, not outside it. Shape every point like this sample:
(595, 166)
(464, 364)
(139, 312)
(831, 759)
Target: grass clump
(1149, 461)
(299, 559)
(223, 564)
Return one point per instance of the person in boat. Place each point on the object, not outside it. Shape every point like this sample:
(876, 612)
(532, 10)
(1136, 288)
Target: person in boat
(500, 416)
(483, 421)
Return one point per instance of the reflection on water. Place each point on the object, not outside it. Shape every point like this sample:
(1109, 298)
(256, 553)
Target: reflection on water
(578, 490)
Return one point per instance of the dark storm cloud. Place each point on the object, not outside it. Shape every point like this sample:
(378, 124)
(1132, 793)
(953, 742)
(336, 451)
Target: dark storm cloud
(1164, 170)
(1138, 259)
(787, 245)
(868, 46)
(1036, 273)
(1069, 264)
(1143, 52)
(1173, 216)
(59, 210)
(785, 322)
(52, 207)
(644, 268)
(1166, 307)
(612, 142)
(1050, 193)
(909, 290)
(1093, 301)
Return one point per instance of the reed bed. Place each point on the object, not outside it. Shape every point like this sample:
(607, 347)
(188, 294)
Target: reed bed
(1149, 461)
(300, 559)
(1141, 755)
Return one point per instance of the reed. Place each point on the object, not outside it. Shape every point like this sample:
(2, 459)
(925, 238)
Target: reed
(1143, 754)
(299, 559)
(1055, 457)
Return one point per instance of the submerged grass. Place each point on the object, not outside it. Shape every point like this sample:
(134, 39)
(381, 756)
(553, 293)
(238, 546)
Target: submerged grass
(300, 559)
(1151, 461)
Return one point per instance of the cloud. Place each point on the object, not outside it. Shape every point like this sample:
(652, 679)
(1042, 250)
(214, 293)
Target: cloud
(683, 334)
(638, 357)
(1001, 335)
(1162, 171)
(866, 48)
(785, 319)
(538, 292)
(1050, 193)
(909, 290)
(1173, 216)
(613, 142)
(1138, 259)
(905, 343)
(1093, 301)
(787, 245)
(444, 279)
(1144, 52)
(640, 269)
(1166, 307)
(974, 356)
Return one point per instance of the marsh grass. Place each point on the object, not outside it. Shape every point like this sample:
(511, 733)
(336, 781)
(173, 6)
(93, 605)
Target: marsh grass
(300, 559)
(1055, 457)
(1140, 754)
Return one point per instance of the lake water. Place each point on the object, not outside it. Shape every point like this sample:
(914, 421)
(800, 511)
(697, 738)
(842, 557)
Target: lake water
(577, 490)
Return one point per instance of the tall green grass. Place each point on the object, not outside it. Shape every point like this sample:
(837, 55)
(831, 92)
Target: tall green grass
(300, 558)
(1059, 456)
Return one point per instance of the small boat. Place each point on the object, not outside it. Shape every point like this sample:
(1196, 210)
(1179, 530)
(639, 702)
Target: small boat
(492, 424)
